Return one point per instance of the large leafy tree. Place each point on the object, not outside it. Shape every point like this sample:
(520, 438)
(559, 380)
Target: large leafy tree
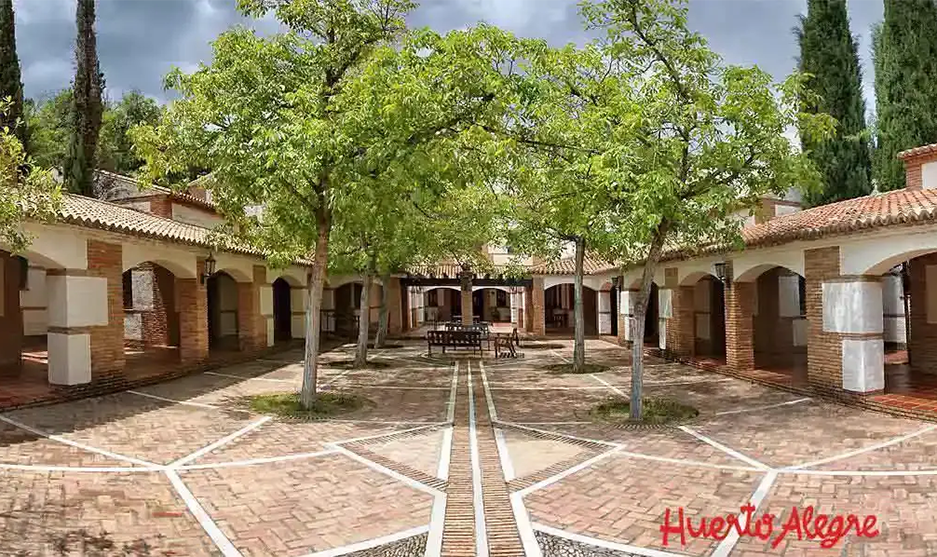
(11, 84)
(87, 106)
(905, 58)
(303, 120)
(26, 191)
(48, 121)
(681, 141)
(828, 52)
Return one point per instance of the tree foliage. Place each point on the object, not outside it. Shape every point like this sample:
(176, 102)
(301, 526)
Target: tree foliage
(828, 53)
(11, 84)
(306, 121)
(87, 106)
(27, 192)
(905, 59)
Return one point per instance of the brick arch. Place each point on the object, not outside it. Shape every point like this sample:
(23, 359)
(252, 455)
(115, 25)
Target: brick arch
(151, 313)
(751, 274)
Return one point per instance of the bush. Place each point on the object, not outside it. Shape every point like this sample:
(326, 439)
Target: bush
(325, 405)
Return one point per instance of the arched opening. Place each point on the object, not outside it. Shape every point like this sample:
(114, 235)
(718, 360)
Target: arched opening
(222, 292)
(282, 311)
(442, 304)
(492, 305)
(652, 318)
(558, 309)
(779, 322)
(709, 318)
(348, 309)
(151, 314)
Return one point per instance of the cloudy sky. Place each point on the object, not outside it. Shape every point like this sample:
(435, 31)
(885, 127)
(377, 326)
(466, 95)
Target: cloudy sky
(140, 40)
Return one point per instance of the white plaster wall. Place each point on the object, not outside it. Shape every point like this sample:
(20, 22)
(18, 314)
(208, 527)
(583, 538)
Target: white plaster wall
(57, 247)
(895, 330)
(800, 331)
(662, 334)
(892, 293)
(298, 299)
(227, 307)
(929, 175)
(876, 255)
(748, 265)
(189, 215)
(77, 301)
(34, 303)
(328, 299)
(852, 307)
(35, 322)
(298, 326)
(788, 296)
(785, 210)
(69, 359)
(592, 282)
(266, 300)
(605, 312)
(863, 365)
(271, 335)
(179, 261)
(143, 206)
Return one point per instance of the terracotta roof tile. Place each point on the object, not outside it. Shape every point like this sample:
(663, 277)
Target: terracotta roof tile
(918, 151)
(148, 190)
(452, 270)
(567, 266)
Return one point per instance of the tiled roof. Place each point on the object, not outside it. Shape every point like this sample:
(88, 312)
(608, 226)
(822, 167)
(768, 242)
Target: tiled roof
(918, 151)
(452, 270)
(149, 190)
(567, 266)
(93, 213)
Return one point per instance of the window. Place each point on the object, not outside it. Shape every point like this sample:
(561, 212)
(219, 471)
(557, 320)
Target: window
(128, 289)
(802, 284)
(432, 298)
(502, 301)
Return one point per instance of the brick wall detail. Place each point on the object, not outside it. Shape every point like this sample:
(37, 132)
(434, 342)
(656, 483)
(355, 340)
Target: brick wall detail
(739, 313)
(538, 308)
(192, 297)
(11, 315)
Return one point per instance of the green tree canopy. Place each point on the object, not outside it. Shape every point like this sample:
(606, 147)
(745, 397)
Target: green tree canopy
(87, 106)
(11, 84)
(828, 52)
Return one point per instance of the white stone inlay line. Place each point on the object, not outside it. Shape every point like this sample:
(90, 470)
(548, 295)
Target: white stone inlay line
(870, 448)
(696, 463)
(253, 461)
(183, 402)
(727, 450)
(524, 527)
(614, 389)
(438, 514)
(243, 378)
(506, 465)
(372, 543)
(384, 434)
(450, 411)
(223, 441)
(624, 548)
(560, 356)
(97, 469)
(568, 472)
(512, 387)
(77, 445)
(558, 434)
(481, 530)
(445, 451)
(728, 544)
(221, 541)
(766, 407)
(384, 470)
(437, 522)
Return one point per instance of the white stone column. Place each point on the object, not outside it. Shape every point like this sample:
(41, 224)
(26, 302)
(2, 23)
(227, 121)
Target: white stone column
(604, 301)
(266, 311)
(298, 307)
(75, 303)
(664, 315)
(894, 309)
(852, 308)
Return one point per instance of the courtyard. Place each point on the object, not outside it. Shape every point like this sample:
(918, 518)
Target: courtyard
(454, 457)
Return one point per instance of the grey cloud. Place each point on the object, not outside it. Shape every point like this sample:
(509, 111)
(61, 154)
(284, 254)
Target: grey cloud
(140, 40)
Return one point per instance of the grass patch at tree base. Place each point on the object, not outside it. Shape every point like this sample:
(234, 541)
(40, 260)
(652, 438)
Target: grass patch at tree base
(387, 346)
(325, 405)
(349, 364)
(563, 369)
(655, 411)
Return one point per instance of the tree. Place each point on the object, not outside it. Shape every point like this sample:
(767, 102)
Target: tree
(48, 123)
(87, 106)
(11, 84)
(116, 147)
(301, 121)
(905, 58)
(828, 53)
(682, 142)
(26, 191)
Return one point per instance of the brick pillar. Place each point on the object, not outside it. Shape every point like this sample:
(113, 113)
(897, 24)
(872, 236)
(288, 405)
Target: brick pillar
(677, 317)
(538, 308)
(252, 321)
(740, 309)
(845, 343)
(395, 307)
(11, 315)
(192, 301)
(107, 341)
(922, 338)
(466, 292)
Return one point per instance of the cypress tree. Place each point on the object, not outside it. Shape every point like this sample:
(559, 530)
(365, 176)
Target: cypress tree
(829, 52)
(11, 84)
(905, 59)
(87, 106)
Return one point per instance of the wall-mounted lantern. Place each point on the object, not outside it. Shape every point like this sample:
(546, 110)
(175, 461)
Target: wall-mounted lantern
(720, 270)
(209, 268)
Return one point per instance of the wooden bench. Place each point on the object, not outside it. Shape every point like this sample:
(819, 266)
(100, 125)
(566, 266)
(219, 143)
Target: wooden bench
(453, 339)
(504, 344)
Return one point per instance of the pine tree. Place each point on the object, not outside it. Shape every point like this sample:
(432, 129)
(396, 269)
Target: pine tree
(87, 106)
(11, 84)
(905, 58)
(828, 52)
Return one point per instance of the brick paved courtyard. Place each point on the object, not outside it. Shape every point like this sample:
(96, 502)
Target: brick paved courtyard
(462, 457)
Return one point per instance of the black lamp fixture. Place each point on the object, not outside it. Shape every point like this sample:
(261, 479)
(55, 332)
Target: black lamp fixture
(720, 270)
(209, 268)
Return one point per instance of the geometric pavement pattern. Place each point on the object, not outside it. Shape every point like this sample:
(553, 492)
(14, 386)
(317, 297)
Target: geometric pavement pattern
(457, 457)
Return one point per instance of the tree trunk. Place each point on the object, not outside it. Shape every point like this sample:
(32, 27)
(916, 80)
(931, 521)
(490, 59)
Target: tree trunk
(579, 333)
(382, 319)
(364, 322)
(637, 326)
(314, 282)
